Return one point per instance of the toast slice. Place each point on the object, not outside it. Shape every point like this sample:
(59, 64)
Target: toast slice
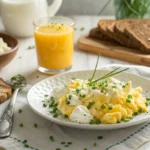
(141, 34)
(96, 33)
(103, 24)
(5, 91)
(126, 40)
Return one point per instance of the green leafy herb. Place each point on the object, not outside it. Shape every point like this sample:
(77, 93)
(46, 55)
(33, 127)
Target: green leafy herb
(85, 149)
(112, 73)
(18, 80)
(148, 99)
(30, 47)
(25, 141)
(78, 90)
(26, 145)
(129, 96)
(46, 95)
(126, 120)
(128, 100)
(63, 142)
(103, 106)
(58, 148)
(69, 143)
(44, 105)
(81, 29)
(90, 104)
(92, 122)
(21, 124)
(135, 113)
(146, 103)
(110, 107)
(20, 110)
(100, 137)
(95, 144)
(140, 110)
(51, 138)
(66, 116)
(35, 125)
(94, 69)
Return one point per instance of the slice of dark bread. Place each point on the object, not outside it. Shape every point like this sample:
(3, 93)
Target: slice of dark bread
(125, 39)
(140, 32)
(103, 24)
(96, 33)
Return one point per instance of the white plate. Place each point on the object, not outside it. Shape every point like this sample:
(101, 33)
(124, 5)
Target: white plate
(36, 96)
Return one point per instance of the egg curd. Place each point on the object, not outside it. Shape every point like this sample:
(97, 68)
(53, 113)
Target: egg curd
(107, 101)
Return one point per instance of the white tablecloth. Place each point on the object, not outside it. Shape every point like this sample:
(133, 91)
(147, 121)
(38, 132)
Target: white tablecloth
(38, 138)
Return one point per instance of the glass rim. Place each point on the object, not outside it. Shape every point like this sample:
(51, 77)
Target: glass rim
(35, 24)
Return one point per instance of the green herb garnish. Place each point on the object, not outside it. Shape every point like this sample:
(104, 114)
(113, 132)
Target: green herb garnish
(21, 124)
(110, 107)
(128, 100)
(30, 47)
(26, 145)
(44, 105)
(18, 80)
(35, 125)
(110, 74)
(95, 144)
(90, 104)
(81, 29)
(63, 142)
(51, 138)
(92, 122)
(135, 113)
(126, 120)
(148, 99)
(103, 106)
(100, 137)
(20, 110)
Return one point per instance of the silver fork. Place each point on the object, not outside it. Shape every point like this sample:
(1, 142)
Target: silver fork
(6, 121)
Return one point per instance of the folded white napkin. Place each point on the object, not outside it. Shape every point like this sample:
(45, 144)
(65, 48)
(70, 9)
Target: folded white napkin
(38, 138)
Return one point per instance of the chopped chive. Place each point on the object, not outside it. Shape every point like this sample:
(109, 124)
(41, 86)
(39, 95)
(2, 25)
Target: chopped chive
(100, 137)
(83, 96)
(90, 104)
(98, 122)
(93, 87)
(70, 96)
(66, 116)
(31, 47)
(130, 118)
(114, 86)
(35, 125)
(51, 138)
(85, 148)
(95, 144)
(63, 142)
(110, 106)
(92, 122)
(78, 90)
(45, 95)
(69, 143)
(148, 99)
(81, 29)
(25, 141)
(66, 145)
(126, 120)
(26, 145)
(21, 124)
(129, 96)
(58, 148)
(55, 115)
(146, 103)
(128, 100)
(103, 106)
(135, 113)
(44, 105)
(123, 86)
(140, 110)
(20, 111)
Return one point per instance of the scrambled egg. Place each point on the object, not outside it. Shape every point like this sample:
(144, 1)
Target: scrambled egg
(109, 101)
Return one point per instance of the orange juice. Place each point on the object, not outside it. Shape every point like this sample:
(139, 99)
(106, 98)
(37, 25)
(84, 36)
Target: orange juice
(54, 45)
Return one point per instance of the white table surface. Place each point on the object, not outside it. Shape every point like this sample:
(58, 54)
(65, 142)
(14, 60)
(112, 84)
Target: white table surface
(25, 61)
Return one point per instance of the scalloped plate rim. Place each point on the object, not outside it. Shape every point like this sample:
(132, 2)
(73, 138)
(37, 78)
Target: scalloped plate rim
(86, 126)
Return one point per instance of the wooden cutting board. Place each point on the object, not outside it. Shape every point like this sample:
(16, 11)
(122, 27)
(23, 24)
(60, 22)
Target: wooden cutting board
(112, 50)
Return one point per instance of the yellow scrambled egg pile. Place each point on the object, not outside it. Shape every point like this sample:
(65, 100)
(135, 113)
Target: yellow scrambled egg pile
(109, 101)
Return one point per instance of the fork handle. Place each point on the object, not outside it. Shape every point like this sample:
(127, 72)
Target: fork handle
(6, 121)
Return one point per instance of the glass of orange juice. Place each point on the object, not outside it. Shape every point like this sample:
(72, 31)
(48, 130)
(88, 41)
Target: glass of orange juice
(54, 40)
